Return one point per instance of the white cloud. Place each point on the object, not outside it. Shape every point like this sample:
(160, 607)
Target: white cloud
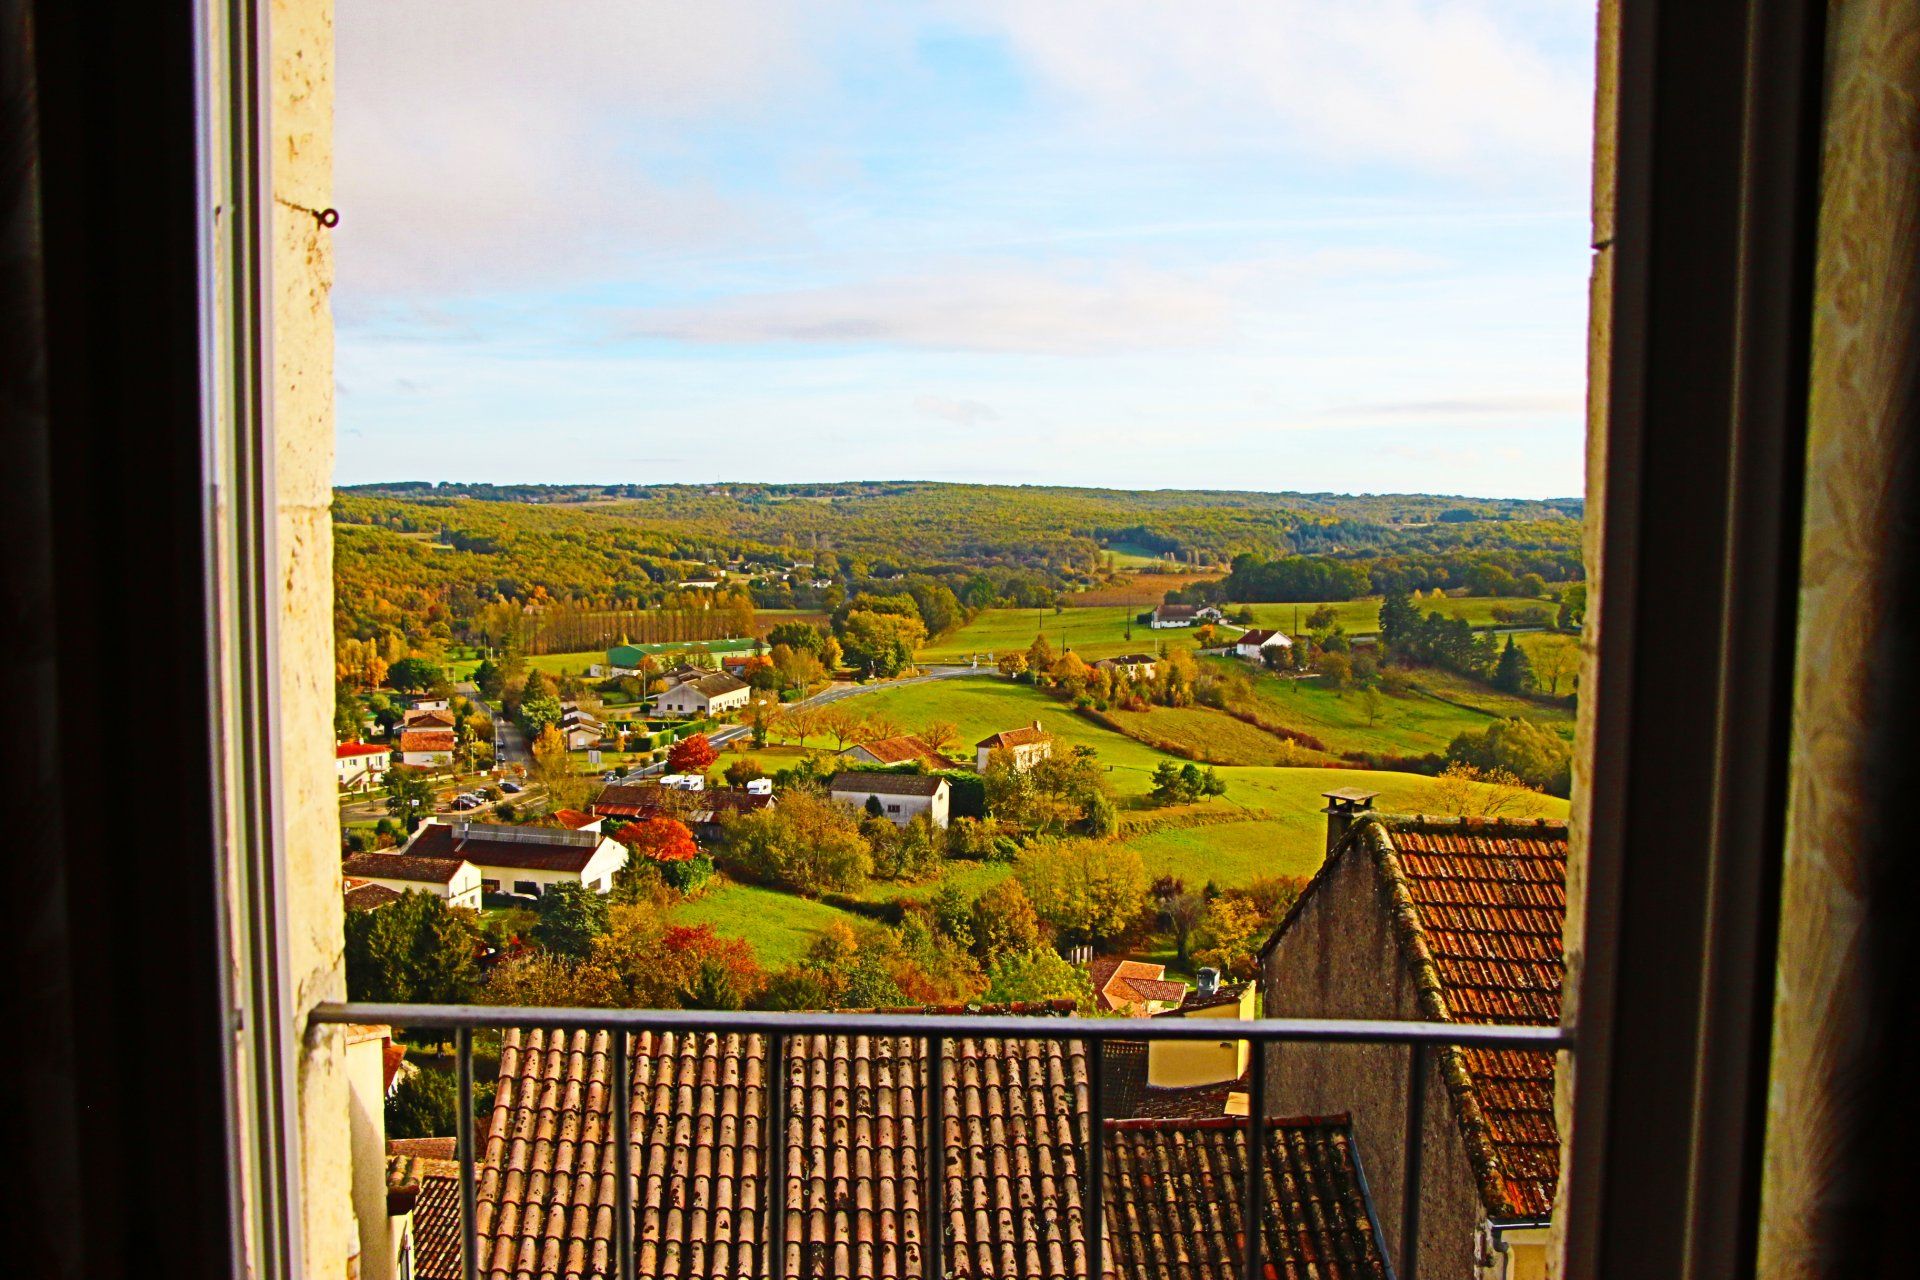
(960, 412)
(1029, 308)
(480, 144)
(1450, 86)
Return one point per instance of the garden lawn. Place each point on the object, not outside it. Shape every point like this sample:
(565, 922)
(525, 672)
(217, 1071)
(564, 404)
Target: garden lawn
(779, 926)
(1090, 632)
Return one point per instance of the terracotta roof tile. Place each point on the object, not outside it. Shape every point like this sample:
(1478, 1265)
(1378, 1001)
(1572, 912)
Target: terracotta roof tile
(426, 740)
(1015, 1124)
(416, 867)
(1491, 900)
(1025, 735)
(853, 782)
(364, 895)
(1174, 1206)
(903, 749)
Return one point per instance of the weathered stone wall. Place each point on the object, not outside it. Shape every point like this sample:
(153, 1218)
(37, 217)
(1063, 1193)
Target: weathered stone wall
(1599, 343)
(302, 278)
(1339, 958)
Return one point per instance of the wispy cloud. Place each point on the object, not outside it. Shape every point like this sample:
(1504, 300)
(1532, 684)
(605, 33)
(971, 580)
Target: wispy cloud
(960, 412)
(995, 309)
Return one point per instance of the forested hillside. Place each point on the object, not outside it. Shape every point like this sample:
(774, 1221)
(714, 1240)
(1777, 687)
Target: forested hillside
(416, 563)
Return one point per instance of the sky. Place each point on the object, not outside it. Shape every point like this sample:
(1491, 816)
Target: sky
(1235, 245)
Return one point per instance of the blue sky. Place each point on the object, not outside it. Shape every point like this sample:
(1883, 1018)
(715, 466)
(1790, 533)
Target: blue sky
(1259, 245)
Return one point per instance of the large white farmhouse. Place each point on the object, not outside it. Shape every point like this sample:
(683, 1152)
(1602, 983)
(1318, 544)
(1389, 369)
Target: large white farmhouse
(454, 879)
(523, 860)
(710, 695)
(900, 796)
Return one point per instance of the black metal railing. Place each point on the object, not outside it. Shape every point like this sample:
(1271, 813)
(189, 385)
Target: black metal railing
(1419, 1039)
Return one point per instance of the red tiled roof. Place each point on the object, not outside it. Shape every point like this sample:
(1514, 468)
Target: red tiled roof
(1491, 901)
(903, 750)
(427, 720)
(1025, 735)
(426, 740)
(859, 781)
(1480, 906)
(573, 819)
(349, 750)
(1016, 1120)
(1173, 1206)
(427, 1166)
(1120, 984)
(362, 895)
(529, 848)
(415, 864)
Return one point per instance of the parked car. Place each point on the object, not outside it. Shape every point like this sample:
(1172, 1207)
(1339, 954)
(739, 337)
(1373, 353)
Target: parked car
(511, 787)
(466, 802)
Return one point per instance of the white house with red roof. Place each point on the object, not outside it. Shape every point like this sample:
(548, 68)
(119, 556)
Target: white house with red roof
(524, 860)
(357, 766)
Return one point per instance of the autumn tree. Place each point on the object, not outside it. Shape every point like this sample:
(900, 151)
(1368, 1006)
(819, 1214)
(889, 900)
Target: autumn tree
(1088, 890)
(658, 840)
(939, 735)
(805, 843)
(1034, 974)
(1002, 919)
(1012, 665)
(1467, 791)
(691, 755)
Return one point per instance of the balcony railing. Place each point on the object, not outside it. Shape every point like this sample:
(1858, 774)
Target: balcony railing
(936, 1030)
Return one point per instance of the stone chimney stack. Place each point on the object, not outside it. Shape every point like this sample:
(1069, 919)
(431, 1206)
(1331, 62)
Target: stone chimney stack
(1343, 808)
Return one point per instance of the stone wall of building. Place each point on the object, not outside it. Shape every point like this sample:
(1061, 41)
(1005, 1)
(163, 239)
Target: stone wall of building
(302, 280)
(1339, 958)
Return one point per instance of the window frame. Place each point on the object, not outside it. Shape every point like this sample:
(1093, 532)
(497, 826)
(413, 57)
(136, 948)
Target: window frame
(1705, 378)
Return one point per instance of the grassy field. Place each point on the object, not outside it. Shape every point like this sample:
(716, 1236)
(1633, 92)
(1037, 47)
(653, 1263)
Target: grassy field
(779, 926)
(1091, 633)
(1209, 734)
(1267, 823)
(1140, 590)
(1362, 617)
(1407, 724)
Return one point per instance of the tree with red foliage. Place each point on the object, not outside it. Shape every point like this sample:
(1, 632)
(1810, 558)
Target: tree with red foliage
(691, 755)
(659, 840)
(710, 970)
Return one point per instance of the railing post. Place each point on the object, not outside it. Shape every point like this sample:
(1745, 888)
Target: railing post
(775, 1111)
(1410, 1166)
(933, 1245)
(1253, 1186)
(622, 1107)
(463, 1148)
(1095, 1209)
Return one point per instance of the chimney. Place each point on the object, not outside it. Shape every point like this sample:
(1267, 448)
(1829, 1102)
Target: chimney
(1209, 981)
(1343, 807)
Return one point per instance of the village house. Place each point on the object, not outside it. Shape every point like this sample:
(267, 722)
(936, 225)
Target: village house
(713, 694)
(907, 748)
(1186, 1064)
(1135, 666)
(1132, 987)
(523, 860)
(1168, 616)
(574, 820)
(426, 748)
(454, 880)
(704, 811)
(431, 704)
(1255, 643)
(700, 1103)
(357, 766)
(1027, 746)
(580, 730)
(435, 717)
(1439, 921)
(900, 796)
